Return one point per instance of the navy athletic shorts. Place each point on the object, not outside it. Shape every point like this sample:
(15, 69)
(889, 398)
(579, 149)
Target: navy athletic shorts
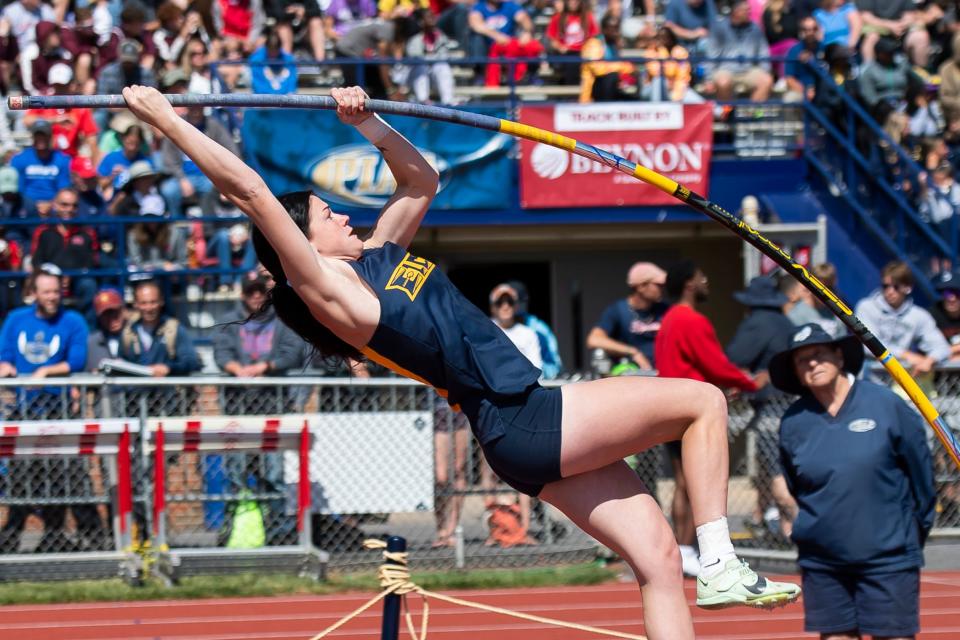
(875, 604)
(527, 455)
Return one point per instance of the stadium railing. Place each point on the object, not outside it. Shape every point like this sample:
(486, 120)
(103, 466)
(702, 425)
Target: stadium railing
(878, 180)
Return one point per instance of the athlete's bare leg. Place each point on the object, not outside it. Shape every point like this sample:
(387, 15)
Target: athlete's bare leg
(607, 420)
(613, 506)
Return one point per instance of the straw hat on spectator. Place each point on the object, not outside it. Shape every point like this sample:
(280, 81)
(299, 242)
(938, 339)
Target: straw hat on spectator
(502, 290)
(122, 122)
(140, 169)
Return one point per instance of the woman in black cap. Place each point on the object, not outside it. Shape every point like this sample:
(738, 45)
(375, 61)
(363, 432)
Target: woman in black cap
(855, 458)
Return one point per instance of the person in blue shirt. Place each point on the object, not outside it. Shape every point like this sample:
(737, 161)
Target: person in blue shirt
(840, 23)
(691, 21)
(801, 80)
(187, 181)
(278, 77)
(628, 327)
(37, 342)
(856, 461)
(764, 332)
(43, 170)
(43, 340)
(154, 339)
(501, 28)
(113, 168)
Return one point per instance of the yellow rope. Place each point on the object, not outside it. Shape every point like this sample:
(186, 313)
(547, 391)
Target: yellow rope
(395, 579)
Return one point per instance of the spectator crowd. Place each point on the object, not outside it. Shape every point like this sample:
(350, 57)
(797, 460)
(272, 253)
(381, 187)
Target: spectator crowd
(895, 57)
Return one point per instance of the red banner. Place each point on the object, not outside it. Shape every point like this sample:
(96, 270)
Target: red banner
(672, 139)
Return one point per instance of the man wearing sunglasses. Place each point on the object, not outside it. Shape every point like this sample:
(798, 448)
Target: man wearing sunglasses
(909, 331)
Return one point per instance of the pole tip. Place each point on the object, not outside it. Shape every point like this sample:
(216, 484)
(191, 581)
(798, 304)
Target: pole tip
(15, 102)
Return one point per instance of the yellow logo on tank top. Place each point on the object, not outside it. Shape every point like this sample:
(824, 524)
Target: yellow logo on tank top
(410, 275)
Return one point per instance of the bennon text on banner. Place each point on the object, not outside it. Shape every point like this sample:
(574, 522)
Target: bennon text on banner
(672, 139)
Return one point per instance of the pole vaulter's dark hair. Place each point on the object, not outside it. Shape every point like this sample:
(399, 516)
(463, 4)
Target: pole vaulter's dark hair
(290, 308)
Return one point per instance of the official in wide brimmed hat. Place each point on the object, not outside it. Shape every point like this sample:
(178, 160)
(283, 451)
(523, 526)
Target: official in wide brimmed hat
(761, 292)
(786, 374)
(855, 458)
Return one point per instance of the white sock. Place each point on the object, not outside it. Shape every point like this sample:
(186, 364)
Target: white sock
(715, 546)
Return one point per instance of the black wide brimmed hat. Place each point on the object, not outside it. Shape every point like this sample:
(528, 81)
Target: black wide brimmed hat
(783, 374)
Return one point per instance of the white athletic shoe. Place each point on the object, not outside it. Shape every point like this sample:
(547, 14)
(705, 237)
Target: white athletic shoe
(737, 584)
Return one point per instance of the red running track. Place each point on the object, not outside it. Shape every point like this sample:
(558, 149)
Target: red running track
(613, 606)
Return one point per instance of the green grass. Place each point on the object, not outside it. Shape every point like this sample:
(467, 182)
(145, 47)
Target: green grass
(255, 584)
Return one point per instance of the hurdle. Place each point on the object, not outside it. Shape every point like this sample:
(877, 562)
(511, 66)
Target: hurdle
(39, 440)
(219, 435)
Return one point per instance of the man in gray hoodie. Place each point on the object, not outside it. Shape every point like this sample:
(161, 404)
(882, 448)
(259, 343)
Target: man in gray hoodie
(908, 331)
(261, 346)
(738, 37)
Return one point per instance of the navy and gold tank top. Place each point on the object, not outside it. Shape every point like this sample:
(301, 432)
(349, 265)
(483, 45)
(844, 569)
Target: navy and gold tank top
(429, 332)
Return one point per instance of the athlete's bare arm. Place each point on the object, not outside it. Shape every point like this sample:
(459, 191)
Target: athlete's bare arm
(416, 180)
(329, 293)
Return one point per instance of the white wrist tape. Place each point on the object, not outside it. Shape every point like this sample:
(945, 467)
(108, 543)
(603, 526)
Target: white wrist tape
(374, 129)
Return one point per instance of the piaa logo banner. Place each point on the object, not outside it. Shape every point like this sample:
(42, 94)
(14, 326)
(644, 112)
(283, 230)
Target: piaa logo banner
(296, 149)
(674, 140)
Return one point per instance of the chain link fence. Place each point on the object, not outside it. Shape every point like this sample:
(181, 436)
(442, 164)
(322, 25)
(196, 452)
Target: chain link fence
(388, 457)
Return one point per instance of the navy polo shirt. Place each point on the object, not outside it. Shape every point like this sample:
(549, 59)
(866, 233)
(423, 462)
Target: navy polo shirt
(863, 481)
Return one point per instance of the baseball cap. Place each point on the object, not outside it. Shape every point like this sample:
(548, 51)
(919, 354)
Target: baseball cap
(129, 50)
(83, 167)
(107, 299)
(238, 232)
(172, 78)
(60, 73)
(644, 272)
(9, 180)
(41, 126)
(153, 205)
(501, 290)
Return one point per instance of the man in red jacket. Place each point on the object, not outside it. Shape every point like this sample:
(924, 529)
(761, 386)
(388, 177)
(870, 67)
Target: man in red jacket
(71, 247)
(687, 347)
